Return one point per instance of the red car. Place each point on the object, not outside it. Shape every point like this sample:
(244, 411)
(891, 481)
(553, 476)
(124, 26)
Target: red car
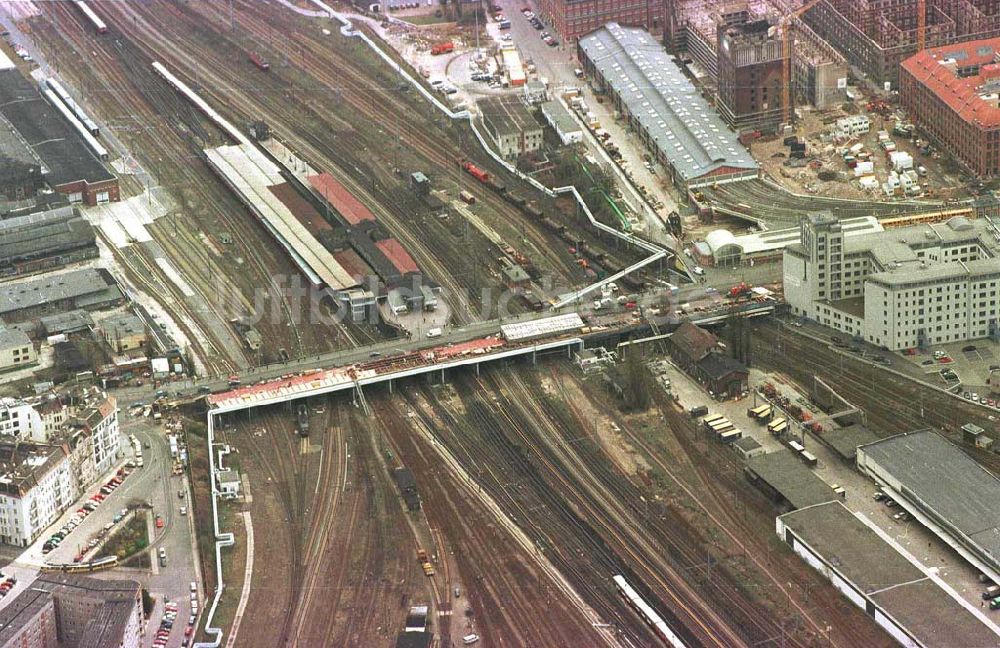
(159, 522)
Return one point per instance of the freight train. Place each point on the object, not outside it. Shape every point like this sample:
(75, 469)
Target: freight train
(596, 260)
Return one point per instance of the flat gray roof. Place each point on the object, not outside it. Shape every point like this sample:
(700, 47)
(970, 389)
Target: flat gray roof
(507, 115)
(70, 285)
(559, 117)
(886, 577)
(941, 479)
(786, 473)
(845, 440)
(691, 135)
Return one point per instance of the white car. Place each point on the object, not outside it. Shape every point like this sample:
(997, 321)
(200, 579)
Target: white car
(507, 37)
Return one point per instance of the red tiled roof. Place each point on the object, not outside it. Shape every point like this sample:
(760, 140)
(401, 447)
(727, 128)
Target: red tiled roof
(960, 94)
(397, 255)
(352, 262)
(341, 199)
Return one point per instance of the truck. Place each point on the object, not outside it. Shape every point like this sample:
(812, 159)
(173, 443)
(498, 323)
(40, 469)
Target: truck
(434, 332)
(467, 197)
(442, 48)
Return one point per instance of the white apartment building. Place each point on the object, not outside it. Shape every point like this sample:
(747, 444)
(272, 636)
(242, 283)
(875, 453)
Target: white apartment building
(19, 420)
(902, 288)
(36, 486)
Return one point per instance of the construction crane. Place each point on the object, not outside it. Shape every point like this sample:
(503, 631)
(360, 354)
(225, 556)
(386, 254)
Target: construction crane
(921, 24)
(786, 34)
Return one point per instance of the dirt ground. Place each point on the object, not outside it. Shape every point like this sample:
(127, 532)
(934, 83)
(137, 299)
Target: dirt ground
(941, 180)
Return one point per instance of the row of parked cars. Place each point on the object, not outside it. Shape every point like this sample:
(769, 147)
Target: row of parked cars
(167, 624)
(8, 584)
(88, 507)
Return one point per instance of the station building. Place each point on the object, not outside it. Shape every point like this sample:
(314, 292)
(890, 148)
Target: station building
(678, 126)
(902, 288)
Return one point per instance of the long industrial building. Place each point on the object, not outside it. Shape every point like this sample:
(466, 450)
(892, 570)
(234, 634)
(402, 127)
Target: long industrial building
(45, 240)
(903, 288)
(670, 116)
(944, 488)
(877, 35)
(901, 598)
(67, 164)
(951, 93)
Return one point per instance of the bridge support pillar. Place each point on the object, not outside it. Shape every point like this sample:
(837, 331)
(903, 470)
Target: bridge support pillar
(533, 356)
(390, 386)
(477, 369)
(442, 376)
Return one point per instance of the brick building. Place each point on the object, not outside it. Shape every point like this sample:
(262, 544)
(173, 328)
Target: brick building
(574, 18)
(951, 93)
(751, 64)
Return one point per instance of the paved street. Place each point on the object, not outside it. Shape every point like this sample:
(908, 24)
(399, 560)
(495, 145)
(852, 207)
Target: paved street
(153, 483)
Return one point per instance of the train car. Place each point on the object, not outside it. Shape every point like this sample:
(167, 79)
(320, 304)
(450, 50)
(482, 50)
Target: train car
(649, 615)
(476, 172)
(74, 107)
(302, 415)
(94, 19)
(256, 59)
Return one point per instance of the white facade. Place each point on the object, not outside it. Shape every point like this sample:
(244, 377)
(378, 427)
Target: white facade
(904, 288)
(20, 420)
(32, 501)
(854, 125)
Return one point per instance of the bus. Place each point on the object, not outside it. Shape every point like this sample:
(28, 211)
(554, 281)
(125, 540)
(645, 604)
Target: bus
(713, 419)
(809, 458)
(761, 412)
(722, 426)
(796, 446)
(730, 436)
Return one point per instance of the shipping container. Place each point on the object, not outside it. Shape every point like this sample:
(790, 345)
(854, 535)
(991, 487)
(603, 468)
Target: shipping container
(730, 436)
(443, 48)
(256, 59)
(809, 458)
(467, 197)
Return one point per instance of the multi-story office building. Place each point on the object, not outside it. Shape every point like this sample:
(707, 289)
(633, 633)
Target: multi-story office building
(36, 486)
(901, 288)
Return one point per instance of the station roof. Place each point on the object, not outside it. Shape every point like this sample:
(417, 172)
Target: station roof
(777, 239)
(688, 131)
(939, 477)
(397, 255)
(786, 473)
(251, 175)
(541, 327)
(887, 577)
(47, 132)
(340, 198)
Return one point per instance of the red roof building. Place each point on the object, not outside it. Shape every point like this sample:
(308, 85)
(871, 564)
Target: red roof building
(952, 93)
(349, 207)
(397, 255)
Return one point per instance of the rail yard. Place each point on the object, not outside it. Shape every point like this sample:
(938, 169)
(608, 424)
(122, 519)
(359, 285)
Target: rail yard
(383, 324)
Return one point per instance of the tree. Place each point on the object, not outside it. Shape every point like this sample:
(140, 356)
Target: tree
(635, 379)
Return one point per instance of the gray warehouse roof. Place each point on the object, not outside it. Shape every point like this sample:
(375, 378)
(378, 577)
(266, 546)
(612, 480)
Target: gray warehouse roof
(84, 285)
(44, 233)
(13, 339)
(944, 481)
(690, 133)
(886, 577)
(507, 116)
(786, 473)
